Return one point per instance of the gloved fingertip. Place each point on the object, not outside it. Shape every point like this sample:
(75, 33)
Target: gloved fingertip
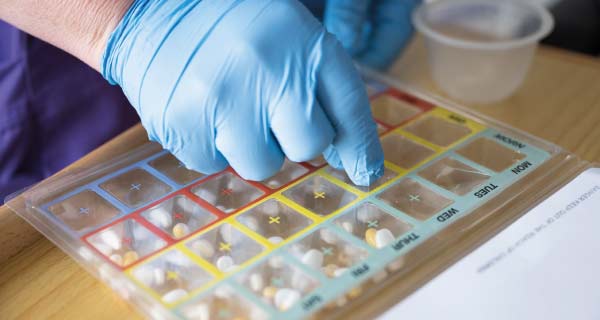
(369, 176)
(333, 158)
(259, 171)
(192, 161)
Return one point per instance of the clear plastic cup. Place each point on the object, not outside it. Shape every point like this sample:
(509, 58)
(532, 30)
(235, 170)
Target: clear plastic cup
(480, 50)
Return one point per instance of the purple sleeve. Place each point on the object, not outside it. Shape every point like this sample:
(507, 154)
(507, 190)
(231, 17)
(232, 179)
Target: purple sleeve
(53, 110)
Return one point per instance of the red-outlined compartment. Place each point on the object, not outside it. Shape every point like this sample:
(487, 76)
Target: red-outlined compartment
(310, 169)
(422, 105)
(170, 241)
(135, 217)
(264, 189)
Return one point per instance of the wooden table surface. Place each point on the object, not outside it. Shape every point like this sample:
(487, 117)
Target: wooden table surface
(559, 101)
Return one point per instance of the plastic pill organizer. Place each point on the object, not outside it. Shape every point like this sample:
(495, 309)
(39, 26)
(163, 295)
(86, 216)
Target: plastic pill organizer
(306, 242)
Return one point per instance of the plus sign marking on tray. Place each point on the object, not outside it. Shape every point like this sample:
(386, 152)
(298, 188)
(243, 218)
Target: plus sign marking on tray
(224, 246)
(414, 198)
(135, 186)
(274, 220)
(319, 194)
(327, 251)
(373, 224)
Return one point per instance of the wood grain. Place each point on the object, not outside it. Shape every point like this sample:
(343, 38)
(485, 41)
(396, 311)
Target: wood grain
(559, 101)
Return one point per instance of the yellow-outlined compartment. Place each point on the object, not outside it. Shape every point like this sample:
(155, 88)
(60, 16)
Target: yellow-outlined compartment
(129, 274)
(400, 172)
(446, 115)
(316, 220)
(206, 264)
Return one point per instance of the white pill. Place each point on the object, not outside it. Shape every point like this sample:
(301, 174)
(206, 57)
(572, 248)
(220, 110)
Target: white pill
(174, 295)
(270, 208)
(276, 262)
(145, 275)
(178, 259)
(228, 235)
(348, 226)
(103, 248)
(328, 236)
(159, 276)
(116, 258)
(383, 237)
(140, 233)
(251, 223)
(110, 238)
(199, 312)
(160, 217)
(257, 283)
(313, 258)
(339, 272)
(185, 204)
(224, 263)
(286, 298)
(204, 248)
(275, 240)
(207, 195)
(274, 183)
(300, 282)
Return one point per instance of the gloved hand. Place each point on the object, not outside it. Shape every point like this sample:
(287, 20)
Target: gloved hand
(243, 82)
(373, 31)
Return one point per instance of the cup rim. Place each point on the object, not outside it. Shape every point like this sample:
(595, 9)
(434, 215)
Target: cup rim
(547, 24)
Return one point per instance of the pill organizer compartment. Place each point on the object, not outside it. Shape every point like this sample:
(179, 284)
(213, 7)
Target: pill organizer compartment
(305, 242)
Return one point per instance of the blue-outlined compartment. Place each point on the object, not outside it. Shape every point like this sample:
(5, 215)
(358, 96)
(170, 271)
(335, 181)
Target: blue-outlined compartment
(95, 187)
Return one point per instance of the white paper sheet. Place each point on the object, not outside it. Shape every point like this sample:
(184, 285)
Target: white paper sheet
(546, 265)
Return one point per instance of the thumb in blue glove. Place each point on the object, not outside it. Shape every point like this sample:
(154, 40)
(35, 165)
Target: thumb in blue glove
(373, 31)
(243, 83)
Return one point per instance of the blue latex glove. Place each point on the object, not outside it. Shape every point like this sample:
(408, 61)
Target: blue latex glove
(373, 31)
(243, 83)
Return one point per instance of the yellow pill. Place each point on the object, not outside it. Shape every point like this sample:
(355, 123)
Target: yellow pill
(355, 292)
(370, 237)
(180, 230)
(329, 270)
(269, 292)
(129, 257)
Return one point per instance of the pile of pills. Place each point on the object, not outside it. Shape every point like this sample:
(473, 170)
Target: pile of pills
(379, 238)
(225, 247)
(178, 216)
(126, 242)
(279, 284)
(327, 252)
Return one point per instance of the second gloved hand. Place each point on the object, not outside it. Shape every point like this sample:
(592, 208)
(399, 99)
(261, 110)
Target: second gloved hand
(373, 31)
(243, 83)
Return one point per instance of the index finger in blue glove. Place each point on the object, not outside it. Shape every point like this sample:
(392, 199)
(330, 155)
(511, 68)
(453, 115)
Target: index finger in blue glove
(391, 30)
(343, 96)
